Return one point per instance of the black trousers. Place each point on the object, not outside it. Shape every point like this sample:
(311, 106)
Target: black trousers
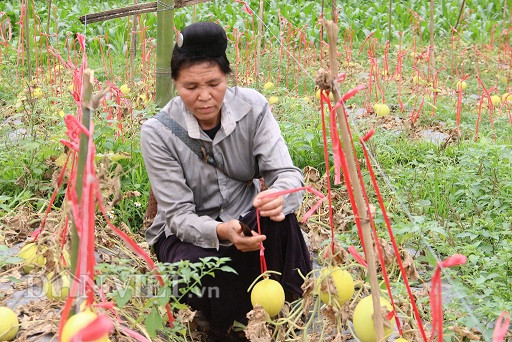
(225, 296)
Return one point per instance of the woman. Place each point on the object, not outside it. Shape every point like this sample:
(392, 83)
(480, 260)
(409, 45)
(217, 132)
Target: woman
(201, 201)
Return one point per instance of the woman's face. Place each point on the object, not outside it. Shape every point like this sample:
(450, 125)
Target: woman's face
(202, 88)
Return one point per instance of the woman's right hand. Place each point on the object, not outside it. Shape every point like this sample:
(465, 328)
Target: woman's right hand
(232, 231)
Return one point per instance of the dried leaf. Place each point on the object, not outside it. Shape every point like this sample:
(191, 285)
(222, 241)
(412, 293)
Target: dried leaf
(131, 193)
(387, 250)
(465, 332)
(340, 254)
(308, 288)
(311, 174)
(329, 314)
(186, 315)
(410, 268)
(257, 330)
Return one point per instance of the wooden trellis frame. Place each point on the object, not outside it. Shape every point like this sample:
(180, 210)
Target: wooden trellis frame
(146, 7)
(164, 39)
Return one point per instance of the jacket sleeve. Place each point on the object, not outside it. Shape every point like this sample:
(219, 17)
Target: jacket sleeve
(274, 161)
(175, 199)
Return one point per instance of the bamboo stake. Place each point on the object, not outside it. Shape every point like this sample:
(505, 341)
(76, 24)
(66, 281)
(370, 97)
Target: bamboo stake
(164, 45)
(194, 14)
(258, 45)
(89, 104)
(88, 77)
(432, 57)
(332, 34)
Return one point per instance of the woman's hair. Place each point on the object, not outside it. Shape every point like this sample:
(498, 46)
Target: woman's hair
(197, 43)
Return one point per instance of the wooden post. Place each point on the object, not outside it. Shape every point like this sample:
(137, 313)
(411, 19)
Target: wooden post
(164, 45)
(258, 45)
(332, 34)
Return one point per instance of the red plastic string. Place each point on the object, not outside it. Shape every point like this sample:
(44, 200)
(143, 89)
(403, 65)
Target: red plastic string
(375, 67)
(110, 307)
(416, 114)
(379, 249)
(459, 104)
(436, 297)
(348, 184)
(436, 93)
(75, 128)
(398, 77)
(94, 330)
(312, 210)
(70, 191)
(368, 96)
(489, 103)
(263, 262)
(21, 46)
(62, 237)
(349, 94)
(352, 250)
(84, 213)
(365, 195)
(335, 138)
(391, 235)
(308, 189)
(501, 327)
(386, 58)
(38, 231)
(365, 41)
(135, 247)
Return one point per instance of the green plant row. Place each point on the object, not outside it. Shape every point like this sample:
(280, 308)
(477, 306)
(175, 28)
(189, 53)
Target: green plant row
(360, 17)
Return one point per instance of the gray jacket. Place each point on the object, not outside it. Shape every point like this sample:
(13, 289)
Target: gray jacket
(192, 194)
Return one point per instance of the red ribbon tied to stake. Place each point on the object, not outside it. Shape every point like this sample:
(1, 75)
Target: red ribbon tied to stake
(247, 9)
(436, 298)
(501, 327)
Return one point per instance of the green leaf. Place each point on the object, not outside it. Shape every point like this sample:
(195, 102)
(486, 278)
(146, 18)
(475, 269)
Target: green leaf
(164, 295)
(227, 269)
(4, 198)
(153, 322)
(123, 296)
(197, 291)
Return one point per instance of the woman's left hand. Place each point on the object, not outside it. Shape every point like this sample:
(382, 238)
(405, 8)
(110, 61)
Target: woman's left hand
(271, 206)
